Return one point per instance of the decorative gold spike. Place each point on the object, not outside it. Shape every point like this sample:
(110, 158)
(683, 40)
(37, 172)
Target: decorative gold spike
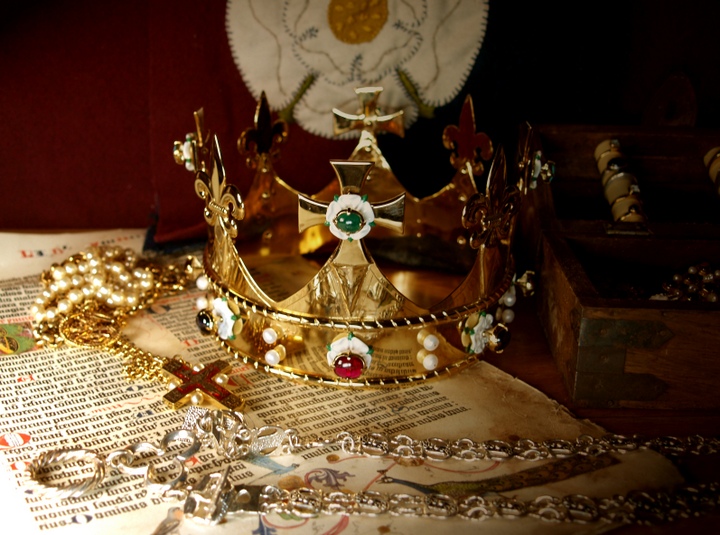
(223, 204)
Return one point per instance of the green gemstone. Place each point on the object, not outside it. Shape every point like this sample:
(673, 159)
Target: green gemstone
(349, 221)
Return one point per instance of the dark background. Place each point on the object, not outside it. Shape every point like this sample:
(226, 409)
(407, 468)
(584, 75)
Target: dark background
(93, 94)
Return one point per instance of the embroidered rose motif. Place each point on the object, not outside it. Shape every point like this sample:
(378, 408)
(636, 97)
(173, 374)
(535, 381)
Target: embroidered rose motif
(311, 55)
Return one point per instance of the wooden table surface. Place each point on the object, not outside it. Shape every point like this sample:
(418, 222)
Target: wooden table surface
(529, 359)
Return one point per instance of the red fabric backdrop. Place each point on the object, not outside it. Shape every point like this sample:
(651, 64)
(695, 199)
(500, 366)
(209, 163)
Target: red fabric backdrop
(93, 94)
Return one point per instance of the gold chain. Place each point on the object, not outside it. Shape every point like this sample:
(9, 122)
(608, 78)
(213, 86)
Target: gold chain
(88, 299)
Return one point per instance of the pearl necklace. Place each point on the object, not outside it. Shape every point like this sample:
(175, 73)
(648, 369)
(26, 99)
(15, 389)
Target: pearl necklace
(87, 300)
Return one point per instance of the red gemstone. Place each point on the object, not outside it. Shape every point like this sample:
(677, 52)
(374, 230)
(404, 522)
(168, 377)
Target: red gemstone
(349, 366)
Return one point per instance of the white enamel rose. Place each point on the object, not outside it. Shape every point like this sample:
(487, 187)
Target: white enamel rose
(339, 46)
(226, 325)
(188, 155)
(478, 338)
(350, 202)
(349, 345)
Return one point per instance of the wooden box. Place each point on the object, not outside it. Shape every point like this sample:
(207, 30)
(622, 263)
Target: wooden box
(614, 345)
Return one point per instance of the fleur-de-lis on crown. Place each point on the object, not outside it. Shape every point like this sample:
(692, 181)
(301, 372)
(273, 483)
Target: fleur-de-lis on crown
(469, 148)
(223, 203)
(265, 138)
(489, 216)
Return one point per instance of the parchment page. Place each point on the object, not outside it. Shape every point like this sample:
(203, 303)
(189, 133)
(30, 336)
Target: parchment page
(74, 397)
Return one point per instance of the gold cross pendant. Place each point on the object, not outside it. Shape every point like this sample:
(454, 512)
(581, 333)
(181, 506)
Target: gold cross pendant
(200, 385)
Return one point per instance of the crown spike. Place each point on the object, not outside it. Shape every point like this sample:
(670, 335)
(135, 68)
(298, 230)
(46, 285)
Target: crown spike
(223, 203)
(263, 141)
(469, 147)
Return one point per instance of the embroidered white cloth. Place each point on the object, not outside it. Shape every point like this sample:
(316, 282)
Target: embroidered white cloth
(317, 52)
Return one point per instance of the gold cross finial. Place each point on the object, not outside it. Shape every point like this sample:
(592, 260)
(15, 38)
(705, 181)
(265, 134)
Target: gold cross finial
(370, 117)
(350, 216)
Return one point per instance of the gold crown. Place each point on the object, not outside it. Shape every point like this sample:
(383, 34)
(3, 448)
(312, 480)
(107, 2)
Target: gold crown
(347, 323)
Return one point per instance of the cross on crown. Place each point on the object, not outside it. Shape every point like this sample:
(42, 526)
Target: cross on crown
(351, 216)
(370, 116)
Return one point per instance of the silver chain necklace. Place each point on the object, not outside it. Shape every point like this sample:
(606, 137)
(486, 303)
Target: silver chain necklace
(214, 498)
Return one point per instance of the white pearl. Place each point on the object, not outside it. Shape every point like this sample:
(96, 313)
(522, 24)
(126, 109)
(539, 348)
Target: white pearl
(509, 299)
(82, 267)
(63, 284)
(97, 281)
(272, 357)
(146, 284)
(269, 335)
(36, 309)
(116, 267)
(196, 398)
(431, 342)
(198, 367)
(276, 355)
(64, 305)
(202, 283)
(430, 362)
(75, 296)
(221, 379)
(103, 292)
(201, 303)
(131, 299)
(117, 298)
(87, 290)
(77, 280)
(57, 273)
(508, 315)
(70, 268)
(173, 384)
(51, 313)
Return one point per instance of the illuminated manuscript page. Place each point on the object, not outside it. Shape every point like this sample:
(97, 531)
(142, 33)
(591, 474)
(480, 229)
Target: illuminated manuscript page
(75, 397)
